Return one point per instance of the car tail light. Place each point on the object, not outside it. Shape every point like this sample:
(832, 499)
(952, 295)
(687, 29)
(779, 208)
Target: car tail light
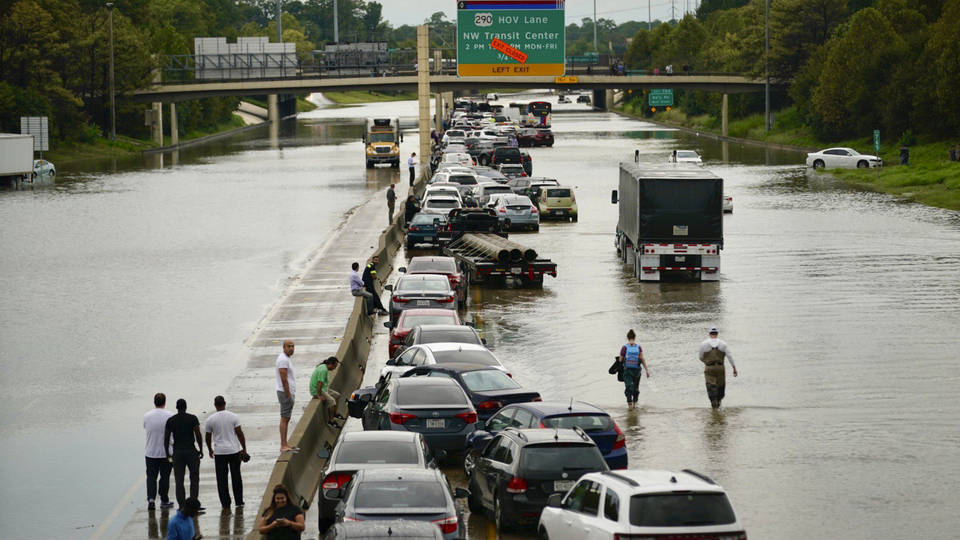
(517, 485)
(502, 210)
(621, 440)
(533, 210)
(414, 228)
(573, 198)
(742, 535)
(468, 417)
(537, 399)
(401, 418)
(400, 299)
(490, 405)
(523, 174)
(509, 374)
(448, 525)
(348, 518)
(446, 300)
(336, 481)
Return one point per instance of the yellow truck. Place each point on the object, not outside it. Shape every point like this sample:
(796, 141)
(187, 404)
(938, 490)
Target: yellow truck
(381, 140)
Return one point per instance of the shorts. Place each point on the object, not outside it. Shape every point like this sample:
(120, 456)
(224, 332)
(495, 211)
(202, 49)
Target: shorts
(329, 397)
(286, 404)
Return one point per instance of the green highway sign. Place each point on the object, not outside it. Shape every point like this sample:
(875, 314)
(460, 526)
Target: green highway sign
(510, 38)
(660, 97)
(876, 140)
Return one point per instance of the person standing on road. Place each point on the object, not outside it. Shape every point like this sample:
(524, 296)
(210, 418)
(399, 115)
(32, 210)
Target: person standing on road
(223, 428)
(180, 526)
(391, 203)
(282, 520)
(320, 389)
(357, 289)
(155, 424)
(185, 430)
(636, 156)
(412, 165)
(631, 355)
(713, 351)
(369, 277)
(286, 392)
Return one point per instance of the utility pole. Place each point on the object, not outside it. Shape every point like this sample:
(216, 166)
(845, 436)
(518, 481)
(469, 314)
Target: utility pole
(595, 27)
(766, 61)
(279, 25)
(336, 23)
(113, 107)
(649, 18)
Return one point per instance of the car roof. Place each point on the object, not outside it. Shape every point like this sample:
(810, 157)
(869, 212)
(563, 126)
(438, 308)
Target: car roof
(431, 258)
(552, 408)
(433, 347)
(400, 528)
(510, 199)
(378, 436)
(658, 480)
(381, 475)
(424, 277)
(459, 367)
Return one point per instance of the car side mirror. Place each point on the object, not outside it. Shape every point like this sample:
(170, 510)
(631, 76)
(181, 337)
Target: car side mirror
(440, 454)
(323, 454)
(613, 197)
(392, 362)
(480, 426)
(483, 341)
(555, 500)
(388, 324)
(366, 398)
(460, 493)
(403, 269)
(388, 287)
(470, 324)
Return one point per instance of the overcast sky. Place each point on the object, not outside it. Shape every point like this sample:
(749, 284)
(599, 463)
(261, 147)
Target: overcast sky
(413, 12)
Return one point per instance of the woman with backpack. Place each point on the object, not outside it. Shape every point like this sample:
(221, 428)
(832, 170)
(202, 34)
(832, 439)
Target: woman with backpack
(631, 356)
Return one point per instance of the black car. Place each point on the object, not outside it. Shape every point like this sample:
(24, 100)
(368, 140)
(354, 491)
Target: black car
(400, 529)
(583, 99)
(521, 468)
(488, 388)
(440, 333)
(361, 450)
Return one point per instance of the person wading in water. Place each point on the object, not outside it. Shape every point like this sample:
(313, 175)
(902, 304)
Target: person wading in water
(631, 355)
(713, 351)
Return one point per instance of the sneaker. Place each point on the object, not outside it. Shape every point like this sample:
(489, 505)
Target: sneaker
(167, 504)
(240, 504)
(339, 416)
(151, 505)
(334, 424)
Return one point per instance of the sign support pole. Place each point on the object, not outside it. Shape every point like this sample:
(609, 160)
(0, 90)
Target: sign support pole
(423, 89)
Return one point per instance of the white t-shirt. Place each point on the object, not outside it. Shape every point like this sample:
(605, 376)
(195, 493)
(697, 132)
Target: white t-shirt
(283, 361)
(223, 426)
(155, 422)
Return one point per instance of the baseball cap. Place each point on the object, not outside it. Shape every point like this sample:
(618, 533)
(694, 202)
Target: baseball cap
(713, 330)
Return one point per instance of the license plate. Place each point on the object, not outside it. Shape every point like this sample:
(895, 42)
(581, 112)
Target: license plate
(680, 259)
(559, 212)
(428, 239)
(423, 302)
(516, 271)
(563, 485)
(439, 424)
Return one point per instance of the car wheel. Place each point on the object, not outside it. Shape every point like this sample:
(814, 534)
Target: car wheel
(542, 534)
(498, 519)
(473, 501)
(818, 164)
(862, 164)
(575, 218)
(470, 461)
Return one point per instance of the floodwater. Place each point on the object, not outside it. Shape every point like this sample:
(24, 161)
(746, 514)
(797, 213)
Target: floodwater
(840, 307)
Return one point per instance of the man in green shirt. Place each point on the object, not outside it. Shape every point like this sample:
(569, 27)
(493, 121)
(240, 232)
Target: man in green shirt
(320, 389)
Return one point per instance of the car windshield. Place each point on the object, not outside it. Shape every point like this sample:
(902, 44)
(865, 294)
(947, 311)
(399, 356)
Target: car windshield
(382, 137)
(558, 193)
(508, 152)
(424, 283)
(680, 510)
(463, 179)
(483, 358)
(410, 396)
(562, 456)
(426, 219)
(586, 422)
(409, 321)
(455, 133)
(449, 336)
(488, 379)
(392, 452)
(400, 494)
(442, 203)
(443, 265)
(492, 174)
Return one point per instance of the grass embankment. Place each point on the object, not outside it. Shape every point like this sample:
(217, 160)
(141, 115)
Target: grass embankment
(369, 96)
(931, 178)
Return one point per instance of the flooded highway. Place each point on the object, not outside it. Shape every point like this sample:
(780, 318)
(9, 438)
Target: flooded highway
(839, 305)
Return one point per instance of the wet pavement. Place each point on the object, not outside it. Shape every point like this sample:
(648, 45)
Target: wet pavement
(838, 304)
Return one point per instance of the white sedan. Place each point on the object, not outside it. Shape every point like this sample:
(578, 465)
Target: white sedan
(686, 156)
(842, 158)
(42, 167)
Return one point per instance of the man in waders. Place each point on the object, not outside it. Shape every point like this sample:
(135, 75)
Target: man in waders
(713, 351)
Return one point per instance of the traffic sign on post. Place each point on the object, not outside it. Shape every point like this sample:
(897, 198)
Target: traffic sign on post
(660, 97)
(876, 140)
(510, 38)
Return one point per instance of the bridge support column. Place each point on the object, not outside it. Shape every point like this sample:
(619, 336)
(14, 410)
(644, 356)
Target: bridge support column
(423, 89)
(725, 117)
(611, 96)
(156, 131)
(174, 126)
(273, 110)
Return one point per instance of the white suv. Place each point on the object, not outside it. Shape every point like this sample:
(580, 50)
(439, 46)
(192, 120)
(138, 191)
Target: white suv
(641, 505)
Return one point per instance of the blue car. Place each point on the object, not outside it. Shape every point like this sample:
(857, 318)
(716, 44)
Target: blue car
(423, 229)
(550, 415)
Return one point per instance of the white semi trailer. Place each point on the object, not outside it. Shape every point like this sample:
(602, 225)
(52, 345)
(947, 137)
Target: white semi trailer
(16, 156)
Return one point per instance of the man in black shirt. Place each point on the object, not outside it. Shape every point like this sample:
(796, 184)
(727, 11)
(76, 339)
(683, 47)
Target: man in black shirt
(370, 274)
(185, 429)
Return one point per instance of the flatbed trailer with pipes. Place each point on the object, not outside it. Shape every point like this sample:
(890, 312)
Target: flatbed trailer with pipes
(491, 259)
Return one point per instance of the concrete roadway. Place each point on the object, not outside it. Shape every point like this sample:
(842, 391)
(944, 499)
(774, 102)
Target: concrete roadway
(313, 313)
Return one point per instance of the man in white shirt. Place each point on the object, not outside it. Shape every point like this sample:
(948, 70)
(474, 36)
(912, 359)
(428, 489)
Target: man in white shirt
(155, 422)
(412, 165)
(713, 352)
(286, 392)
(227, 447)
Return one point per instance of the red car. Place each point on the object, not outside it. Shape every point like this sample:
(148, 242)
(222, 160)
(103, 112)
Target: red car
(410, 318)
(446, 266)
(535, 137)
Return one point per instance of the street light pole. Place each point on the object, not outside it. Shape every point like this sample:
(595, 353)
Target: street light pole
(279, 25)
(649, 17)
(113, 107)
(595, 27)
(766, 61)
(336, 23)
